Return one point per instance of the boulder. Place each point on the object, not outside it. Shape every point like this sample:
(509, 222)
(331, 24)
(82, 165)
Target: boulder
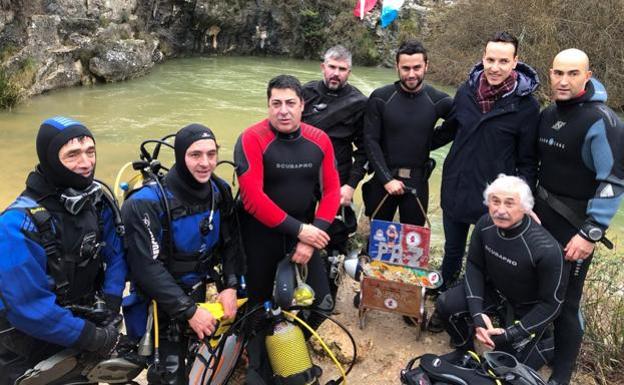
(58, 70)
(121, 60)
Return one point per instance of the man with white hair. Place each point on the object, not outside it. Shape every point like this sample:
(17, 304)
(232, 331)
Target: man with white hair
(514, 274)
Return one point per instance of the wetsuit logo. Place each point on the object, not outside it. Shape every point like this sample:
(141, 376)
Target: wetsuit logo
(607, 191)
(558, 125)
(154, 244)
(293, 166)
(552, 142)
(501, 257)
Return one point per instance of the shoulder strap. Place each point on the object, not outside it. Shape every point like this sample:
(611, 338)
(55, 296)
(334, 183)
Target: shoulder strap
(42, 219)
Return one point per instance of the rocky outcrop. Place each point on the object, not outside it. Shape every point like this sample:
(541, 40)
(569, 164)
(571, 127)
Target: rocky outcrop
(121, 60)
(48, 44)
(61, 43)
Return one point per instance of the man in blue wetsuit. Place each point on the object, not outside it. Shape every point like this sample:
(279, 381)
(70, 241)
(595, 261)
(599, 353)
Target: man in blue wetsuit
(61, 247)
(172, 255)
(580, 185)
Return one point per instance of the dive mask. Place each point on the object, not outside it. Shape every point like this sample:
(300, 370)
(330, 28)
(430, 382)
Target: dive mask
(74, 200)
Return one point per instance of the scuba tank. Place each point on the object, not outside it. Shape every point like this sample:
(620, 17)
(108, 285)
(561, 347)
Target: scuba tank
(288, 353)
(286, 346)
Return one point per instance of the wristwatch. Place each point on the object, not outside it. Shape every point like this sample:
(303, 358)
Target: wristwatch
(591, 232)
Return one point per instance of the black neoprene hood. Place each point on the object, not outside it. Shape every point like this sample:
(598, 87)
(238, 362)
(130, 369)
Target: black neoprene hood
(53, 134)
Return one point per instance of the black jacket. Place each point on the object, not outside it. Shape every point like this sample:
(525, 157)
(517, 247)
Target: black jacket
(340, 114)
(504, 140)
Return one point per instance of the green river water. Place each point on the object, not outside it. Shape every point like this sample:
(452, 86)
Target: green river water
(226, 94)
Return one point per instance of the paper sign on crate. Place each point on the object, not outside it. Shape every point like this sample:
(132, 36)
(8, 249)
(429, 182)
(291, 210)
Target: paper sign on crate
(399, 243)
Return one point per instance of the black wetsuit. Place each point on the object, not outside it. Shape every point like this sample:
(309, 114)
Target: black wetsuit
(398, 132)
(340, 114)
(279, 175)
(516, 275)
(582, 164)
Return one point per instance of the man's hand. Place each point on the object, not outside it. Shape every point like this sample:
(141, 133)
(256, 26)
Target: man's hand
(313, 236)
(578, 248)
(303, 253)
(484, 334)
(227, 298)
(346, 195)
(534, 217)
(202, 323)
(395, 187)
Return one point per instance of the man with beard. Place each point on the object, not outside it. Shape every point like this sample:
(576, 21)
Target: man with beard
(515, 273)
(337, 108)
(61, 246)
(494, 127)
(398, 133)
(177, 233)
(580, 185)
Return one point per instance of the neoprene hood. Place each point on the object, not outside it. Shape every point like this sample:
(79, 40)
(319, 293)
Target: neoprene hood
(53, 134)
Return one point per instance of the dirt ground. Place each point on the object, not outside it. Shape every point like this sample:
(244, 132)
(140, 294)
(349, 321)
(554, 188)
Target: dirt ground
(384, 346)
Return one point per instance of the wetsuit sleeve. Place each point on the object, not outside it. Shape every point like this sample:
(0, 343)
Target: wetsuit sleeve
(230, 248)
(445, 133)
(330, 186)
(358, 169)
(373, 122)
(475, 277)
(526, 145)
(25, 295)
(114, 257)
(549, 264)
(250, 170)
(603, 152)
(142, 219)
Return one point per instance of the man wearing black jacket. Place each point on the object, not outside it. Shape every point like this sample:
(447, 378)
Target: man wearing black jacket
(398, 133)
(494, 128)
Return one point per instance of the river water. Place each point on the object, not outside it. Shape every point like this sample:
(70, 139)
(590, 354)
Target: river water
(224, 93)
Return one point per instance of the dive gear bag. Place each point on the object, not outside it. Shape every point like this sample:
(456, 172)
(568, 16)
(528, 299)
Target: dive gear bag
(496, 368)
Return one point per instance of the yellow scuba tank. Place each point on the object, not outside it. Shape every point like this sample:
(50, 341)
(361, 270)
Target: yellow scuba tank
(288, 354)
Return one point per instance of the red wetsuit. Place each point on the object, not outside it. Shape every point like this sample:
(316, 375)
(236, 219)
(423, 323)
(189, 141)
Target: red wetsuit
(279, 176)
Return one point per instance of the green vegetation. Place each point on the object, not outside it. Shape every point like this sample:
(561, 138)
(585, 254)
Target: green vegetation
(10, 94)
(12, 85)
(457, 33)
(603, 310)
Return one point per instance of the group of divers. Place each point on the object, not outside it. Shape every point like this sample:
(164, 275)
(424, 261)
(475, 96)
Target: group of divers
(538, 188)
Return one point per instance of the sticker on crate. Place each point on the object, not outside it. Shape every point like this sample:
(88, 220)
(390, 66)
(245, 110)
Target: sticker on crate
(399, 243)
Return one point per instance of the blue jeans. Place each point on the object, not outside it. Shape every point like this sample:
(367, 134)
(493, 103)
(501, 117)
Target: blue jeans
(455, 234)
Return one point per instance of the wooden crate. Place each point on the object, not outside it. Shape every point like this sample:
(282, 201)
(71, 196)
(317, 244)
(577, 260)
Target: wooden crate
(394, 297)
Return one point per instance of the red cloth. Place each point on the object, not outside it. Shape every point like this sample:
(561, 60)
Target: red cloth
(368, 6)
(487, 95)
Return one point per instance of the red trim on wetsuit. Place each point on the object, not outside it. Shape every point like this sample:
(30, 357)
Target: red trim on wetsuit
(253, 144)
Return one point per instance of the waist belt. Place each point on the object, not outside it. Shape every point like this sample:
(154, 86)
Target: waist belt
(566, 212)
(409, 172)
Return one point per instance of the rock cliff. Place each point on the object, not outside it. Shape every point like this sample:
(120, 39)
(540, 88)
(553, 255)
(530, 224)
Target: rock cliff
(49, 44)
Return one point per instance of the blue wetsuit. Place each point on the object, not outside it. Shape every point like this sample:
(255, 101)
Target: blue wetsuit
(31, 300)
(581, 152)
(203, 235)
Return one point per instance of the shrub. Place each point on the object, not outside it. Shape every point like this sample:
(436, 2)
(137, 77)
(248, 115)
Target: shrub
(544, 27)
(603, 309)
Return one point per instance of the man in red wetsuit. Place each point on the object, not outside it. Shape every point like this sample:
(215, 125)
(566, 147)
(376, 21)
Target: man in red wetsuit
(280, 163)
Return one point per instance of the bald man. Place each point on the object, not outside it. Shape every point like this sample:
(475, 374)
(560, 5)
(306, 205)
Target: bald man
(580, 185)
